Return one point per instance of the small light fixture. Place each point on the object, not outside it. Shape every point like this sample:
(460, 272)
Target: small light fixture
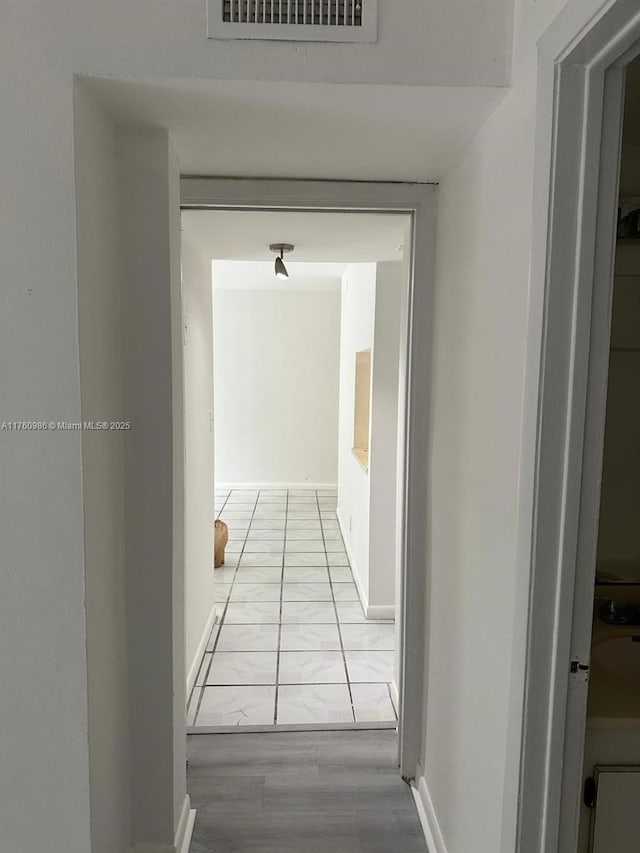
(280, 269)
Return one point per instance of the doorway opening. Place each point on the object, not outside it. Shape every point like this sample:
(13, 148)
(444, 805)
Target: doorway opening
(261, 505)
(306, 410)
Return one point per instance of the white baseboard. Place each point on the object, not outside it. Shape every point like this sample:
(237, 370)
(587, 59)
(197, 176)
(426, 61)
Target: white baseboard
(371, 611)
(202, 645)
(354, 567)
(380, 611)
(428, 817)
(223, 487)
(182, 841)
(395, 695)
(185, 827)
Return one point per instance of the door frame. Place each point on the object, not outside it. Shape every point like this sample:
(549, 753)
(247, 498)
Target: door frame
(581, 71)
(419, 201)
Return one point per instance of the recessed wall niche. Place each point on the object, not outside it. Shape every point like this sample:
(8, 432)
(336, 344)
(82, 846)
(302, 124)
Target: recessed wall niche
(362, 409)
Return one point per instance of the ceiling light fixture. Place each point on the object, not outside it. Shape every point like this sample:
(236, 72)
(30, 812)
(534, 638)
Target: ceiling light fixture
(280, 269)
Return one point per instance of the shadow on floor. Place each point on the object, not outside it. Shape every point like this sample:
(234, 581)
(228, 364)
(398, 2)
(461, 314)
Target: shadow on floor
(311, 792)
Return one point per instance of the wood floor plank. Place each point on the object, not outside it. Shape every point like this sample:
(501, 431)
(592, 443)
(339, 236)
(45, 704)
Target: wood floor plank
(301, 792)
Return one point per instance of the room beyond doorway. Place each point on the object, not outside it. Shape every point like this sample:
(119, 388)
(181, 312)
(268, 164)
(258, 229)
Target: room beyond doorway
(307, 597)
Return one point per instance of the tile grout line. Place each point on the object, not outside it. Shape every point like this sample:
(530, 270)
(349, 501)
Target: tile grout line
(284, 551)
(224, 611)
(335, 607)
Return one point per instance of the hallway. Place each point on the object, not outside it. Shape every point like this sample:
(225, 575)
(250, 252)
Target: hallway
(320, 792)
(292, 645)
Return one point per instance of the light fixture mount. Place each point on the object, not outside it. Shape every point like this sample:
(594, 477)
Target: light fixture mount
(281, 248)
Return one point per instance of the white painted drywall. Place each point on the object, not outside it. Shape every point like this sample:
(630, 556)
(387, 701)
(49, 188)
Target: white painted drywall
(356, 334)
(101, 373)
(383, 450)
(479, 590)
(150, 239)
(276, 355)
(198, 409)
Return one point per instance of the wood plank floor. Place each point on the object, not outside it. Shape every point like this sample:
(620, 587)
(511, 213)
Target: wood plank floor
(307, 792)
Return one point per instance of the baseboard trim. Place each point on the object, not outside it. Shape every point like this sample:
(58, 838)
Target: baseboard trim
(395, 695)
(354, 566)
(428, 817)
(222, 487)
(185, 827)
(380, 611)
(202, 646)
(371, 611)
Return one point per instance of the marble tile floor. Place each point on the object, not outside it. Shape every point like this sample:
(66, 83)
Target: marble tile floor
(292, 645)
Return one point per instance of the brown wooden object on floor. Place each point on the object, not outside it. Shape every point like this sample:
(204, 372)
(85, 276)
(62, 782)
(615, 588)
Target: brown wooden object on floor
(221, 537)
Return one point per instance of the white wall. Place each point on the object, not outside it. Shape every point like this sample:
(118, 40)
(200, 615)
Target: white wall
(101, 361)
(199, 486)
(154, 459)
(371, 315)
(356, 334)
(478, 595)
(383, 452)
(276, 385)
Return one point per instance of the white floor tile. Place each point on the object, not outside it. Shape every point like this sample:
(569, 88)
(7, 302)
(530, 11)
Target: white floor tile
(255, 591)
(306, 559)
(313, 638)
(263, 560)
(252, 613)
(311, 668)
(267, 524)
(258, 574)
(307, 612)
(301, 545)
(225, 574)
(341, 575)
(306, 592)
(337, 559)
(304, 524)
(266, 536)
(273, 492)
(350, 611)
(372, 703)
(221, 591)
(243, 668)
(248, 638)
(345, 592)
(303, 515)
(368, 637)
(237, 706)
(259, 546)
(306, 574)
(314, 703)
(295, 535)
(370, 666)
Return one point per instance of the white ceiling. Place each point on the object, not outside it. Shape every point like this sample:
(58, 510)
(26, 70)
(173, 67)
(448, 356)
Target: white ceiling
(311, 130)
(318, 237)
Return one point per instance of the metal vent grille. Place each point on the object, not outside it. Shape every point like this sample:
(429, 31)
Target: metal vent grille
(294, 20)
(332, 13)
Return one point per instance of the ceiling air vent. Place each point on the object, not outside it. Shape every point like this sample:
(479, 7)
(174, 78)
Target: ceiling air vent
(293, 20)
